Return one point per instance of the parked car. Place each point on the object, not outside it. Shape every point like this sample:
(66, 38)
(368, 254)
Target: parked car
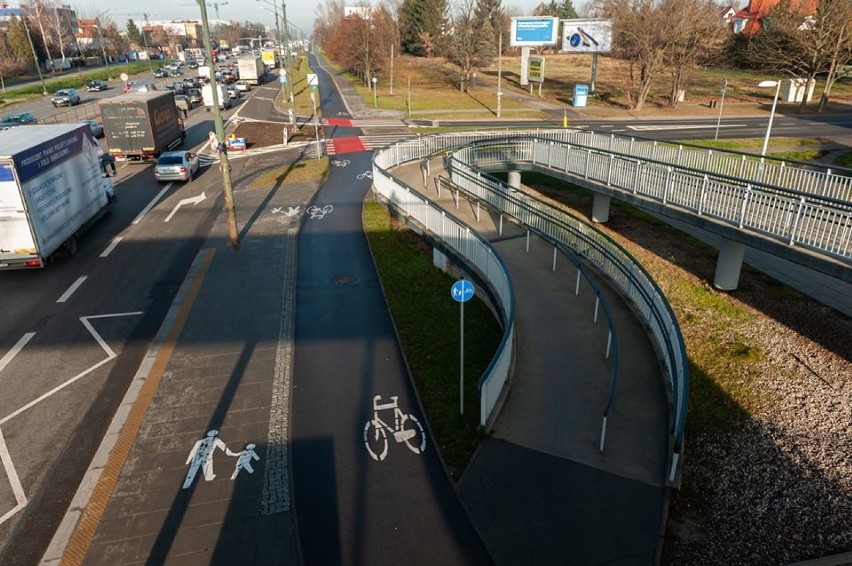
(176, 166)
(176, 72)
(192, 65)
(96, 86)
(233, 92)
(190, 82)
(65, 97)
(183, 102)
(161, 73)
(18, 119)
(178, 87)
(97, 129)
(243, 86)
(194, 95)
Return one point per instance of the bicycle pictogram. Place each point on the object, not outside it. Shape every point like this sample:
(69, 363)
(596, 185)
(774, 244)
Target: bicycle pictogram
(340, 162)
(318, 213)
(406, 429)
(365, 175)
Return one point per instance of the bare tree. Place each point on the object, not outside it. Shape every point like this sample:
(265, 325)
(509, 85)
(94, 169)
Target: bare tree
(803, 43)
(694, 34)
(471, 44)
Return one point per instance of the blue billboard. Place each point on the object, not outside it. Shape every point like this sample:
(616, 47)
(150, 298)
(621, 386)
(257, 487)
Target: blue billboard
(534, 31)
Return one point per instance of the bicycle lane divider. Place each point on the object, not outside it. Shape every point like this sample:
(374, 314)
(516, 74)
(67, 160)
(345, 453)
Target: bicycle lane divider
(77, 530)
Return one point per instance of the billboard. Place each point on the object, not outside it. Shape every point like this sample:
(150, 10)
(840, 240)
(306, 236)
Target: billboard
(534, 31)
(586, 36)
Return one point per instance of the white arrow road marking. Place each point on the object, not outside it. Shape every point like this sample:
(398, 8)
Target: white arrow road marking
(192, 200)
(152, 203)
(4, 361)
(683, 127)
(5, 457)
(74, 286)
(291, 211)
(17, 488)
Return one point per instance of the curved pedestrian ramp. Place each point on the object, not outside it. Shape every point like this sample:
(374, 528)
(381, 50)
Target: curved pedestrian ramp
(584, 439)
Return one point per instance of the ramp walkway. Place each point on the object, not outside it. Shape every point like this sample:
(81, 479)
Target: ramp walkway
(540, 488)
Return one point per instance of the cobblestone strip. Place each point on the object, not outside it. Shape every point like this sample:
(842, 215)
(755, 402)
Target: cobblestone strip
(276, 475)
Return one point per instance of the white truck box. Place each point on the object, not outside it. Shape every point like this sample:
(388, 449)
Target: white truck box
(207, 95)
(252, 69)
(51, 190)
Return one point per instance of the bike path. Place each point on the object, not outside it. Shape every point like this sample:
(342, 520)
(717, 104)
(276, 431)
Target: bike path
(538, 489)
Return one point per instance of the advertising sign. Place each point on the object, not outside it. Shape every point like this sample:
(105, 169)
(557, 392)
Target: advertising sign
(536, 72)
(534, 31)
(587, 36)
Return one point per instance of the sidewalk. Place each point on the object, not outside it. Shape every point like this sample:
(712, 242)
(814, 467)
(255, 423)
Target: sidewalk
(221, 366)
(538, 489)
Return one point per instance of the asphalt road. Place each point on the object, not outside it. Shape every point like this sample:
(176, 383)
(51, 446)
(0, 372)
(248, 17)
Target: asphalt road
(73, 334)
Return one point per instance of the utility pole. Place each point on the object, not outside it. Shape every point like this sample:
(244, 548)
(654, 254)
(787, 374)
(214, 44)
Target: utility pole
(224, 166)
(499, 71)
(287, 49)
(35, 57)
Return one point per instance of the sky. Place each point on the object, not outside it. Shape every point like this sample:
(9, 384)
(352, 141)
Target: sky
(299, 12)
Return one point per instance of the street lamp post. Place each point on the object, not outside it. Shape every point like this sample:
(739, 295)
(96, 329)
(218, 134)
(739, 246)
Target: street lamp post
(287, 51)
(224, 166)
(277, 27)
(35, 57)
(103, 50)
(777, 85)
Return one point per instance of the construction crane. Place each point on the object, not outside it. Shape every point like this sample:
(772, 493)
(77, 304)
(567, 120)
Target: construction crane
(214, 5)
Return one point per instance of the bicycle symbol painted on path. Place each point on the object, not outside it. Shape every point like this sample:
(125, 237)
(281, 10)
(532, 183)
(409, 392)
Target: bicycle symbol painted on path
(318, 213)
(365, 175)
(340, 162)
(406, 429)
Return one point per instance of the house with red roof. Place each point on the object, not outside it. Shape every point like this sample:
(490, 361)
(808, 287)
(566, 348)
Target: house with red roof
(748, 20)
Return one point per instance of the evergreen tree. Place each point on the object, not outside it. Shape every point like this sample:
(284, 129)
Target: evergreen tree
(489, 12)
(133, 32)
(19, 43)
(563, 10)
(422, 26)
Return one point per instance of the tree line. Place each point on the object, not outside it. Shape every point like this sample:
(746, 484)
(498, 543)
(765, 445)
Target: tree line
(656, 38)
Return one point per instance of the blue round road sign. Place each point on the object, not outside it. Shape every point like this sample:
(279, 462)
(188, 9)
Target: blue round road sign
(462, 290)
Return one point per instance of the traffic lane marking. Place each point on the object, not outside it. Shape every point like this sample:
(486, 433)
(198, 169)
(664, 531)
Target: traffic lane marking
(152, 204)
(74, 286)
(111, 246)
(19, 345)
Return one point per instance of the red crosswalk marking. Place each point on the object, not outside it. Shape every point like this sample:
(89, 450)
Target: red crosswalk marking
(346, 122)
(351, 144)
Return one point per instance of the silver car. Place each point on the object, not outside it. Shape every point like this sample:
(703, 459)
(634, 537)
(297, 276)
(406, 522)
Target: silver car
(97, 129)
(176, 166)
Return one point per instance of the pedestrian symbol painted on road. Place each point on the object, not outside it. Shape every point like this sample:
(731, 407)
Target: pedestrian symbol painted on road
(201, 457)
(244, 459)
(462, 290)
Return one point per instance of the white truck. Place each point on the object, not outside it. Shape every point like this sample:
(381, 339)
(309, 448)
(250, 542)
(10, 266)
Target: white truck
(207, 96)
(252, 69)
(51, 190)
(204, 71)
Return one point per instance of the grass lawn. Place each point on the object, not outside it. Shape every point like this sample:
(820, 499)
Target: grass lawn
(298, 172)
(427, 320)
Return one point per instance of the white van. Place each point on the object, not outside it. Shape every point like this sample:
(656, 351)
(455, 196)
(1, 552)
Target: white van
(207, 95)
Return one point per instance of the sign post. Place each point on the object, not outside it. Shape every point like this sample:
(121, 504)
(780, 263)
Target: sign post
(587, 36)
(536, 72)
(535, 31)
(461, 291)
(721, 105)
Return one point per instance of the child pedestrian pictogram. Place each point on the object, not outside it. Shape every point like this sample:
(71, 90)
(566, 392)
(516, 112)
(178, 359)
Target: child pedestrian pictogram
(244, 459)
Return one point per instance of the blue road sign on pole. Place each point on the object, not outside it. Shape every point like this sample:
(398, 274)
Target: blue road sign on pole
(461, 291)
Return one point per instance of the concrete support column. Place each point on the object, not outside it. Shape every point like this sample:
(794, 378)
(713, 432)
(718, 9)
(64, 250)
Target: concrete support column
(728, 265)
(439, 259)
(515, 179)
(600, 208)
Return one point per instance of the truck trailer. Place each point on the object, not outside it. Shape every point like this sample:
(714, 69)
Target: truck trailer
(51, 190)
(139, 126)
(252, 69)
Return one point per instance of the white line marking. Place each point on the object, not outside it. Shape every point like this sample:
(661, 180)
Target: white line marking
(110, 355)
(683, 127)
(151, 204)
(17, 488)
(67, 294)
(112, 246)
(4, 361)
(192, 200)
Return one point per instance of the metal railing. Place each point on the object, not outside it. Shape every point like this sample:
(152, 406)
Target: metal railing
(792, 217)
(74, 113)
(466, 242)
